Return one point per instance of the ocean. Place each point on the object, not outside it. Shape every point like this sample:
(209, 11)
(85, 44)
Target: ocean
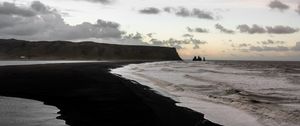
(231, 93)
(26, 112)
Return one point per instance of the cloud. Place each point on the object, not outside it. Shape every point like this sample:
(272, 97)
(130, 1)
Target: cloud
(224, 30)
(184, 12)
(40, 22)
(99, 1)
(202, 14)
(201, 30)
(169, 9)
(196, 47)
(171, 42)
(256, 29)
(136, 36)
(132, 39)
(278, 5)
(268, 48)
(178, 47)
(188, 35)
(271, 42)
(197, 42)
(189, 29)
(39, 7)
(296, 47)
(251, 30)
(150, 10)
(157, 42)
(11, 9)
(150, 35)
(298, 9)
(178, 43)
(181, 12)
(281, 29)
(198, 29)
(244, 45)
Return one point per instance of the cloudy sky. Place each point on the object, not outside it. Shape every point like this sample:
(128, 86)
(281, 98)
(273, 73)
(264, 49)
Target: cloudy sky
(217, 29)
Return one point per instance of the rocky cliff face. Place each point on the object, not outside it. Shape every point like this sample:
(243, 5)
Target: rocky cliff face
(11, 49)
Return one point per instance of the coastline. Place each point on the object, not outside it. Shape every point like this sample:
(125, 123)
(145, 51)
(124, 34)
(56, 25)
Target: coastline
(27, 112)
(249, 94)
(88, 94)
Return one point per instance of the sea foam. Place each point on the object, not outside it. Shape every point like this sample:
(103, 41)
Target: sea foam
(231, 95)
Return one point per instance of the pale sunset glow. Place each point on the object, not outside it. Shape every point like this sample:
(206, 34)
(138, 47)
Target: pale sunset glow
(217, 29)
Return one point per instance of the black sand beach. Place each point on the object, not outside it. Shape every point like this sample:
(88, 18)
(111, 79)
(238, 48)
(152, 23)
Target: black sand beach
(88, 95)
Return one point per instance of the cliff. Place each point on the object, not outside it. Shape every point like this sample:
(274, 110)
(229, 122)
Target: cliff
(11, 49)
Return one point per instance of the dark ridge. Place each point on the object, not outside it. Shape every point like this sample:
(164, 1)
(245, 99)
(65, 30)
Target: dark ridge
(11, 49)
(88, 95)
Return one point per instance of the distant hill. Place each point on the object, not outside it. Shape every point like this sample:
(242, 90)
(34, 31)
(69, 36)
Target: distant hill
(11, 49)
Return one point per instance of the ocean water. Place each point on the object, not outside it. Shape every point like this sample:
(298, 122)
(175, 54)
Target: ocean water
(26, 112)
(231, 93)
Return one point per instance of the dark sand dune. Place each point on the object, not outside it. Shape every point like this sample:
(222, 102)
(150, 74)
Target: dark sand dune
(88, 95)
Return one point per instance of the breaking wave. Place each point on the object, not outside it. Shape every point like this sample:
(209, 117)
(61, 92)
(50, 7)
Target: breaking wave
(231, 93)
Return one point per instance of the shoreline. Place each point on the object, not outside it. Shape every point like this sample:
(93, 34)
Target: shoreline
(85, 99)
(27, 112)
(247, 93)
(159, 80)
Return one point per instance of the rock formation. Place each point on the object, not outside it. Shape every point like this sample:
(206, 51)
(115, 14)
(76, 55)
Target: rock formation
(198, 58)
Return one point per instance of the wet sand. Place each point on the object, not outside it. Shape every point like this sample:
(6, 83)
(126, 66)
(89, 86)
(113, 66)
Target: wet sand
(87, 94)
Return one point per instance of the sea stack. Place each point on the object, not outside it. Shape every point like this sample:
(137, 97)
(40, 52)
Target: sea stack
(198, 58)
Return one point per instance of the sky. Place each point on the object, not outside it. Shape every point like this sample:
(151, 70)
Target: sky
(216, 29)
